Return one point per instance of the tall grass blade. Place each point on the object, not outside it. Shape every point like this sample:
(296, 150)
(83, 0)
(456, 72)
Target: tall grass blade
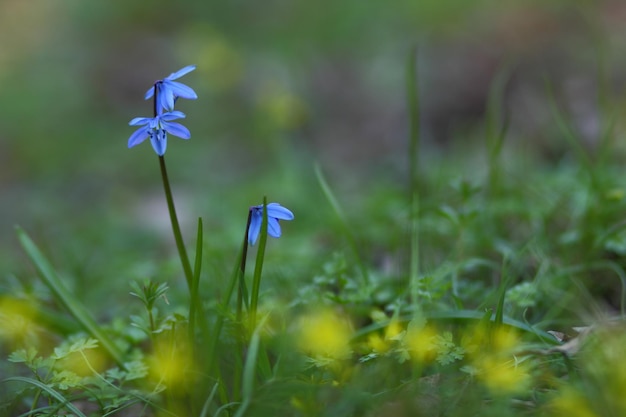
(194, 298)
(342, 220)
(53, 393)
(65, 298)
(414, 151)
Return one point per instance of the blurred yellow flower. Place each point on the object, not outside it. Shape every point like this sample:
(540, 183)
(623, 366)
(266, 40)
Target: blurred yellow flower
(17, 321)
(394, 330)
(570, 403)
(169, 365)
(325, 334)
(376, 342)
(491, 351)
(419, 343)
(85, 362)
(502, 377)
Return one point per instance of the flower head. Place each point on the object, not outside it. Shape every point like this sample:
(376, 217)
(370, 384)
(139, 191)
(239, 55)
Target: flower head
(275, 212)
(168, 90)
(157, 128)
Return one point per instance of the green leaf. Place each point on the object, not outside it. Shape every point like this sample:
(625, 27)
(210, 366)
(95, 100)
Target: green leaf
(23, 355)
(66, 379)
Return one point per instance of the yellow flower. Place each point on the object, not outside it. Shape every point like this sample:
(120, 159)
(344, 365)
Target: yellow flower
(502, 377)
(325, 334)
(17, 321)
(85, 362)
(170, 364)
(377, 343)
(419, 343)
(570, 403)
(394, 330)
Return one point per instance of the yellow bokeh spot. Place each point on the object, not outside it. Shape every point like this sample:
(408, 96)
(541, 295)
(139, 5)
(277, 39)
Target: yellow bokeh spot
(169, 365)
(419, 343)
(570, 403)
(504, 340)
(394, 330)
(325, 334)
(502, 377)
(85, 362)
(221, 61)
(616, 194)
(376, 343)
(497, 340)
(281, 108)
(602, 359)
(17, 321)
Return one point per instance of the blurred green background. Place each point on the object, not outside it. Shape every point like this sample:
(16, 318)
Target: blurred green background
(282, 85)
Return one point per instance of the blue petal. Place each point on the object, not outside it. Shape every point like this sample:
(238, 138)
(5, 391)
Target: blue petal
(150, 92)
(172, 115)
(140, 121)
(277, 211)
(165, 98)
(176, 129)
(273, 227)
(181, 72)
(159, 142)
(181, 90)
(138, 136)
(255, 226)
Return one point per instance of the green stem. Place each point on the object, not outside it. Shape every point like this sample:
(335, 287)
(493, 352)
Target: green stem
(182, 252)
(258, 268)
(242, 291)
(414, 150)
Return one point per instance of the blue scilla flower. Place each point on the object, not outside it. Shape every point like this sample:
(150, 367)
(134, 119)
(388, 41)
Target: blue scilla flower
(275, 212)
(168, 90)
(157, 128)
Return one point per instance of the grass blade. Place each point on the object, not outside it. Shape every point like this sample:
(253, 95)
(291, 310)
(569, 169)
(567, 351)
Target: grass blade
(54, 394)
(342, 220)
(194, 299)
(414, 149)
(65, 298)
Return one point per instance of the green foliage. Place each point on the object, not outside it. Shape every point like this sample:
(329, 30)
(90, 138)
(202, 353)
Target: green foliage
(382, 299)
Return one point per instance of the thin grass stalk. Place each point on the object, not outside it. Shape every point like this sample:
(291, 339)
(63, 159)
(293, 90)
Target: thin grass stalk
(414, 151)
(328, 193)
(496, 124)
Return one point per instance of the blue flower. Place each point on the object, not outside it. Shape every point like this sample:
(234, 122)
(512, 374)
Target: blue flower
(275, 212)
(157, 128)
(169, 90)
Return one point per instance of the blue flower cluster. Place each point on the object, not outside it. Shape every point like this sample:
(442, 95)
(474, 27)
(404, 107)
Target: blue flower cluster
(165, 93)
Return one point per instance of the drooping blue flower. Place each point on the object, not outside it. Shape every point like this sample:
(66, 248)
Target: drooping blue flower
(275, 212)
(157, 128)
(168, 90)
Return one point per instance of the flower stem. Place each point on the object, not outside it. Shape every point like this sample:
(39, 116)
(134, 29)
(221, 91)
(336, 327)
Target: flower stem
(242, 291)
(182, 252)
(258, 268)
